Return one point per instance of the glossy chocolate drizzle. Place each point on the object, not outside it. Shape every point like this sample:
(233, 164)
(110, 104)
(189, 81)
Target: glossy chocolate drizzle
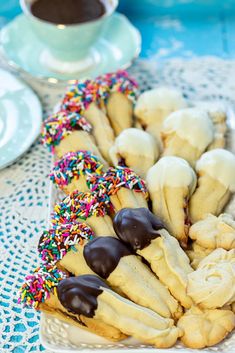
(79, 294)
(137, 227)
(103, 254)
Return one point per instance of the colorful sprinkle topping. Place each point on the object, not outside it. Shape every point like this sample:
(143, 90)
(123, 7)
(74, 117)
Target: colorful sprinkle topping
(39, 285)
(119, 81)
(80, 205)
(115, 178)
(79, 96)
(55, 243)
(74, 164)
(59, 125)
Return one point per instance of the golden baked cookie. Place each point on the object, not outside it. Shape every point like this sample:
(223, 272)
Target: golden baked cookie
(197, 253)
(214, 232)
(205, 328)
(212, 285)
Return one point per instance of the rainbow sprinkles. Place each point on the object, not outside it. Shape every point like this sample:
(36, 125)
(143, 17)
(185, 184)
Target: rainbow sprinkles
(80, 205)
(74, 164)
(56, 242)
(115, 178)
(118, 82)
(58, 126)
(83, 93)
(39, 285)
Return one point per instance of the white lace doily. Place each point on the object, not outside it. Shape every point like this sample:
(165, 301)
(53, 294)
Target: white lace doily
(24, 190)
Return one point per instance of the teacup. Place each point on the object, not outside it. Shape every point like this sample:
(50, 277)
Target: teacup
(68, 42)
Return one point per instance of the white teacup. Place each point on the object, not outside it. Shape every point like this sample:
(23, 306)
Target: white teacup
(66, 43)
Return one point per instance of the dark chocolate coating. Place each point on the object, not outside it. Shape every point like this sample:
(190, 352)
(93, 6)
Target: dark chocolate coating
(137, 227)
(103, 254)
(79, 294)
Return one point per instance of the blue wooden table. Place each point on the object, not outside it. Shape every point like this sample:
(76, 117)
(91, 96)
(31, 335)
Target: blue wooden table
(172, 28)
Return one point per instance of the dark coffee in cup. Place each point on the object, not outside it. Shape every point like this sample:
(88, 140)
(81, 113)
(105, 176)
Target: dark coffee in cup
(68, 11)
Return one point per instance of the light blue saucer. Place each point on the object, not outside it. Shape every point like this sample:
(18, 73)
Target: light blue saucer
(20, 118)
(118, 46)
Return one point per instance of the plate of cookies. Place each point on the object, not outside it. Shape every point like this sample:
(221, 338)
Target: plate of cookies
(140, 247)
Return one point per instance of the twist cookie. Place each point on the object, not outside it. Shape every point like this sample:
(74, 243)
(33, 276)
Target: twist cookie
(214, 232)
(85, 207)
(84, 98)
(212, 285)
(219, 255)
(40, 292)
(113, 261)
(171, 182)
(187, 133)
(217, 113)
(205, 328)
(216, 182)
(69, 173)
(121, 93)
(147, 236)
(197, 253)
(63, 246)
(153, 106)
(89, 296)
(135, 149)
(123, 186)
(65, 132)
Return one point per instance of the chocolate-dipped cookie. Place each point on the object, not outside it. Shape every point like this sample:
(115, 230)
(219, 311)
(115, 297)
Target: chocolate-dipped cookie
(146, 234)
(112, 260)
(40, 292)
(88, 295)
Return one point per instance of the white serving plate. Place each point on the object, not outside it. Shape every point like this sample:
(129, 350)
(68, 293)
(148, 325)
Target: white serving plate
(20, 118)
(61, 337)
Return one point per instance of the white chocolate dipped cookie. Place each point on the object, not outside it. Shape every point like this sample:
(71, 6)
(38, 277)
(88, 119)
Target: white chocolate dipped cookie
(187, 133)
(217, 111)
(154, 105)
(135, 148)
(171, 182)
(216, 183)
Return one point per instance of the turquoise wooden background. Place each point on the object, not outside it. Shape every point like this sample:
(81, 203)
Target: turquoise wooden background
(172, 28)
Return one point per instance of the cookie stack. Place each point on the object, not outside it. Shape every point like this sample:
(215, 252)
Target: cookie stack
(122, 206)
